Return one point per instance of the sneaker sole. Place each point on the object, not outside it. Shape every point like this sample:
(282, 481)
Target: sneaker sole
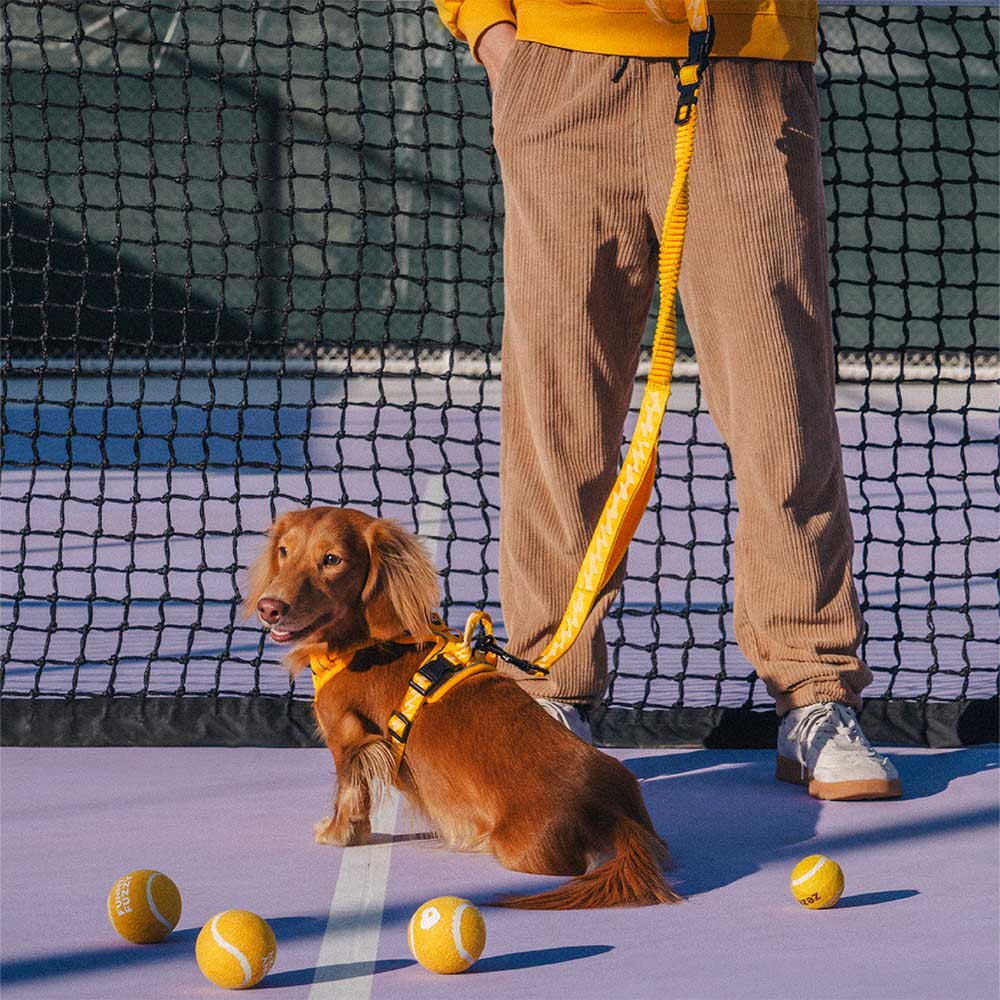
(837, 791)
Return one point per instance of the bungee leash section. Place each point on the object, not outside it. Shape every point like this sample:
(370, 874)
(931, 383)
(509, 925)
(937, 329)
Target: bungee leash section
(629, 497)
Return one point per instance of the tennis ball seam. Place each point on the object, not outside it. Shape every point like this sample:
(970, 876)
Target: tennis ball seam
(144, 906)
(152, 905)
(232, 949)
(456, 932)
(812, 871)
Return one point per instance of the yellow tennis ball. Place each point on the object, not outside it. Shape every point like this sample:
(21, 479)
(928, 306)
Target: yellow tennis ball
(817, 882)
(236, 949)
(447, 934)
(144, 906)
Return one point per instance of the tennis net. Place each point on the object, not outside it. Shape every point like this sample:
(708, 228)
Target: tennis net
(251, 261)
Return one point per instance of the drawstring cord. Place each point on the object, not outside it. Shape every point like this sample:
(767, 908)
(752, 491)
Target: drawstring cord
(618, 73)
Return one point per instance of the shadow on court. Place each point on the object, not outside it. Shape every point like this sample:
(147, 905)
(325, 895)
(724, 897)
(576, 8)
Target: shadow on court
(725, 816)
(180, 944)
(722, 813)
(538, 957)
(924, 775)
(874, 898)
(120, 954)
(333, 973)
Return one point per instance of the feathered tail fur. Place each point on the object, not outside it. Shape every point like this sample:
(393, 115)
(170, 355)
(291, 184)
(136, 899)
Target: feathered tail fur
(631, 878)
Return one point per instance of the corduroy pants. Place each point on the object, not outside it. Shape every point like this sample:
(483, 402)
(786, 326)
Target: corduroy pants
(585, 144)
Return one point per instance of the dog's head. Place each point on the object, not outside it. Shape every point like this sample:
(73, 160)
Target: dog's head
(338, 576)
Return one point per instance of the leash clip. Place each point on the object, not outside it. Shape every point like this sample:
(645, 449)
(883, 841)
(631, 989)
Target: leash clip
(483, 641)
(689, 77)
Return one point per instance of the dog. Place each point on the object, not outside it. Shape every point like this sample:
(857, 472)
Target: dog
(485, 764)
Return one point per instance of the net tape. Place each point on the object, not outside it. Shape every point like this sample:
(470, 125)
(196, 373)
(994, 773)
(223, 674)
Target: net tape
(252, 261)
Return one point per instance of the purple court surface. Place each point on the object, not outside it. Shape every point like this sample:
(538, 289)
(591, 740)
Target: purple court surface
(232, 827)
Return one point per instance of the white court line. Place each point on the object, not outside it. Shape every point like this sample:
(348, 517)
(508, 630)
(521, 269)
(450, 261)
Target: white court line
(245, 57)
(430, 514)
(354, 925)
(167, 39)
(355, 921)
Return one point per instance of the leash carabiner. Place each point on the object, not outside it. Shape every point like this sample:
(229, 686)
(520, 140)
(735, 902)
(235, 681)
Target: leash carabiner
(690, 73)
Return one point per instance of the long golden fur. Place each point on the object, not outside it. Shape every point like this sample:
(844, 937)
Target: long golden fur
(488, 767)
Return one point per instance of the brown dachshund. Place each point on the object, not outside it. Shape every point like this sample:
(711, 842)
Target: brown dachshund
(488, 767)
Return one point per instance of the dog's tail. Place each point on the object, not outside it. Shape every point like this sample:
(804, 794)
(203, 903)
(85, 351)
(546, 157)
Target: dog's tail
(631, 878)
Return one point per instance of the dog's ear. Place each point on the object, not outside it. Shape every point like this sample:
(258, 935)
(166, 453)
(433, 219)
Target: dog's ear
(401, 591)
(262, 570)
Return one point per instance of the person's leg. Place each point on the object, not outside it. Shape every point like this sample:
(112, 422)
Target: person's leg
(578, 273)
(755, 294)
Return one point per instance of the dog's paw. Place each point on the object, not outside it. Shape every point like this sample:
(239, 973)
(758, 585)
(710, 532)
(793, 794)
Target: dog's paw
(325, 832)
(338, 834)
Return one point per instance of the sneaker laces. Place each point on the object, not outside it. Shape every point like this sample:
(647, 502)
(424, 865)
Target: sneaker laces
(834, 721)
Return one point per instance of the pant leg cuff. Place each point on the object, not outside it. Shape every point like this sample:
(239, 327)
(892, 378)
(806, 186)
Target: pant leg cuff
(813, 692)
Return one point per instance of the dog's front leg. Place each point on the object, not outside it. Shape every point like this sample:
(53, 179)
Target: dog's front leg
(344, 733)
(352, 801)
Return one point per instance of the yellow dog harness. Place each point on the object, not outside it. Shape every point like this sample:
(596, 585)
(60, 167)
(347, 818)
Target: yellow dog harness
(453, 658)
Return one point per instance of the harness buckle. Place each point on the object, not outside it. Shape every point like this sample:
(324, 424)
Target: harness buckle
(431, 674)
(689, 76)
(399, 727)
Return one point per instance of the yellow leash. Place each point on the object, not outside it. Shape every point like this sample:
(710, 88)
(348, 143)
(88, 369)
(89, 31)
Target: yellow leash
(630, 495)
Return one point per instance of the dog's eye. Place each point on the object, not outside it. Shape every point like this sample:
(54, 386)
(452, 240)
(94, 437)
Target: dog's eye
(331, 560)
(282, 551)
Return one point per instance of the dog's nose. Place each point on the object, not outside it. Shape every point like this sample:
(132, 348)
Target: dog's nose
(271, 610)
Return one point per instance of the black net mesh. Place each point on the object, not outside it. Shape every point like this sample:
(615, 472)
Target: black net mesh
(251, 261)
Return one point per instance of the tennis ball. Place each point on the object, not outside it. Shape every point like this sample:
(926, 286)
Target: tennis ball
(144, 906)
(447, 934)
(235, 949)
(817, 882)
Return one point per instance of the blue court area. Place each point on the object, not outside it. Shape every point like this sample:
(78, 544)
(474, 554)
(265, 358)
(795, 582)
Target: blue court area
(233, 827)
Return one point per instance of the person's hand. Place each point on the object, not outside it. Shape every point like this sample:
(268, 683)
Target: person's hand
(494, 46)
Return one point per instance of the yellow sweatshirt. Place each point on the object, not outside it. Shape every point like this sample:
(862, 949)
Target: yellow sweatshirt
(762, 29)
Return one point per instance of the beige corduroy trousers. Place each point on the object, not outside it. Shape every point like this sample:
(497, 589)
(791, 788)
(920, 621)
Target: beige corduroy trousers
(585, 143)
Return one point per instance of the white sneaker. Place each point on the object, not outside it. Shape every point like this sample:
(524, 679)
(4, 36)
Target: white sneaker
(570, 716)
(822, 747)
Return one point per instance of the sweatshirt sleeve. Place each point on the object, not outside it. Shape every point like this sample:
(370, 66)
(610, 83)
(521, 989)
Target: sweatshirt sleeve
(468, 19)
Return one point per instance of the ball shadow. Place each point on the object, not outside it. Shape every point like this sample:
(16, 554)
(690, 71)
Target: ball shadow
(333, 973)
(538, 957)
(874, 898)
